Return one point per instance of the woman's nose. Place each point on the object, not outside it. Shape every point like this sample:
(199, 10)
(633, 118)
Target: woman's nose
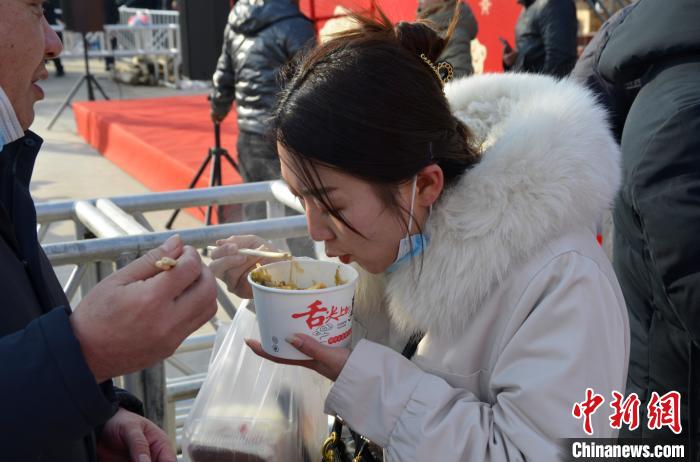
(317, 225)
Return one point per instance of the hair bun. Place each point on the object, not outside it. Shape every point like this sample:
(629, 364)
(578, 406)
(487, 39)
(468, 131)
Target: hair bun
(419, 37)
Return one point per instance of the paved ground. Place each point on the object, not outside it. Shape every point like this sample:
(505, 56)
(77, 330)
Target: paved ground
(68, 168)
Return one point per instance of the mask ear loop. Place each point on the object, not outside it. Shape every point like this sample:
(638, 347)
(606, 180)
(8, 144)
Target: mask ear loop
(413, 200)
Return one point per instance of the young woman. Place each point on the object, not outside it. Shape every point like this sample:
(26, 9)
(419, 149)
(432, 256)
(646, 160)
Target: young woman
(471, 209)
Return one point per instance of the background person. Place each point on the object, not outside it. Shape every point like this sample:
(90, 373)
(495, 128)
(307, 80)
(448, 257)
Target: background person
(652, 61)
(545, 38)
(489, 252)
(458, 51)
(55, 387)
(259, 39)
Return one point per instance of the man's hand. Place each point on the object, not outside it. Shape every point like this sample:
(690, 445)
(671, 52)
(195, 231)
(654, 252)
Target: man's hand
(217, 118)
(141, 313)
(325, 360)
(128, 437)
(509, 57)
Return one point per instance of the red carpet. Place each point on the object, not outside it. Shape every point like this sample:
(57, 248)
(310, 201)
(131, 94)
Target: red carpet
(161, 141)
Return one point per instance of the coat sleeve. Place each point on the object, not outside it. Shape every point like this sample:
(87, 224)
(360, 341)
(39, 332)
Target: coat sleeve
(558, 27)
(574, 337)
(224, 82)
(299, 34)
(667, 201)
(47, 391)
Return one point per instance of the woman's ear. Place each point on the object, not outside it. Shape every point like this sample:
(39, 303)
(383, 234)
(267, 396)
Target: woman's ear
(431, 182)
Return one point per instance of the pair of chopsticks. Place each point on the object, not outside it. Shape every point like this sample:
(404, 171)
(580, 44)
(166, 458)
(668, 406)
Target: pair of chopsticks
(260, 253)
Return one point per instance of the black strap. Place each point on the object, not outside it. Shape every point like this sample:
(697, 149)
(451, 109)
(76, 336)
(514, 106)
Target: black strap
(412, 345)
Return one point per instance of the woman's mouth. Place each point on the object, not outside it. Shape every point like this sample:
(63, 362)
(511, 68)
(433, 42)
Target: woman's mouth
(345, 258)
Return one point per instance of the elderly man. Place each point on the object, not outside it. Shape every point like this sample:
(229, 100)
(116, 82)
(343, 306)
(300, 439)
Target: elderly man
(57, 399)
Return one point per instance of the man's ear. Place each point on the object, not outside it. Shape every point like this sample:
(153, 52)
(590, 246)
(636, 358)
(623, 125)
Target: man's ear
(431, 182)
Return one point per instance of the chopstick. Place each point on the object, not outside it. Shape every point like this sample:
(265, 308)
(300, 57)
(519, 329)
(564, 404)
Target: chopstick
(260, 253)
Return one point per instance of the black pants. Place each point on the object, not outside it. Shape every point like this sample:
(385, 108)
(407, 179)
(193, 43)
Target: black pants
(257, 158)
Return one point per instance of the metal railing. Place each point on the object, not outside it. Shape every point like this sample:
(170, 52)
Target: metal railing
(124, 41)
(154, 16)
(112, 232)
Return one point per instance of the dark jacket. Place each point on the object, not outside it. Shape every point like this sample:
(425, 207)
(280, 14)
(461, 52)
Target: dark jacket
(51, 403)
(545, 37)
(459, 49)
(259, 39)
(654, 54)
(586, 72)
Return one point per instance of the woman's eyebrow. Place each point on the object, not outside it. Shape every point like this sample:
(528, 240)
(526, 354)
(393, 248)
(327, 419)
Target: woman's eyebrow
(309, 192)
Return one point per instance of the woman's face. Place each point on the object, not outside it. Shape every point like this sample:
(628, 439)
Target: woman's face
(360, 205)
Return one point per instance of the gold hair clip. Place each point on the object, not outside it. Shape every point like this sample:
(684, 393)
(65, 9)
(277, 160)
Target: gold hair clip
(443, 67)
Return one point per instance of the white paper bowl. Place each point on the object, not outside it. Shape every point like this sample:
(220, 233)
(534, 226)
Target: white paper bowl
(324, 314)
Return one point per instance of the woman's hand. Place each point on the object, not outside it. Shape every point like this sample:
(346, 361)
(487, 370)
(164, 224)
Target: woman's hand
(233, 268)
(325, 360)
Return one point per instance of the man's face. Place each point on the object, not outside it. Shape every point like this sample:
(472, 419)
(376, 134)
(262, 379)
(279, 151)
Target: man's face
(26, 40)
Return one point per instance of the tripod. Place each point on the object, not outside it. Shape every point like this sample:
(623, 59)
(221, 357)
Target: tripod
(89, 78)
(214, 155)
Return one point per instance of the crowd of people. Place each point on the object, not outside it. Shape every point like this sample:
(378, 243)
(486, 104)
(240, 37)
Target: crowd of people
(470, 204)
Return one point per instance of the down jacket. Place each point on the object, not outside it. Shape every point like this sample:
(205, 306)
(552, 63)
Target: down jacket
(519, 305)
(545, 37)
(653, 59)
(259, 39)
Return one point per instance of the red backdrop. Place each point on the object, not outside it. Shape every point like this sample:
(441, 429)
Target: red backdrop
(495, 17)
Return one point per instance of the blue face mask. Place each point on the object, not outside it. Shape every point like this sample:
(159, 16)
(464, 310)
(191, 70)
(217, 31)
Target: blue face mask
(410, 245)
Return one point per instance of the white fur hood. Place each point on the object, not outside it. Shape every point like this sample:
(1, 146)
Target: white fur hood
(549, 165)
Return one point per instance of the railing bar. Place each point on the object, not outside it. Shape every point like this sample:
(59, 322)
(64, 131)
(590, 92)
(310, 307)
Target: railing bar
(74, 281)
(96, 221)
(242, 193)
(111, 248)
(180, 365)
(225, 302)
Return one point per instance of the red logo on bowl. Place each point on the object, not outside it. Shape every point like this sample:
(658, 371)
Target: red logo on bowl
(325, 322)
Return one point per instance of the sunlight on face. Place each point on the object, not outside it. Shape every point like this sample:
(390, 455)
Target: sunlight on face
(25, 41)
(360, 205)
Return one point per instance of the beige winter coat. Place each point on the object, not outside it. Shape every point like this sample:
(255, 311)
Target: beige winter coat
(519, 305)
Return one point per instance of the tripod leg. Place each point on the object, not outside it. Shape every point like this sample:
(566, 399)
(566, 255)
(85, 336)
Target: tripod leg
(215, 175)
(99, 87)
(170, 222)
(231, 161)
(66, 103)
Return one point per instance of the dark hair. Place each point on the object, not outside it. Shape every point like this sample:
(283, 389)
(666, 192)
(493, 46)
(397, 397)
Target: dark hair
(365, 103)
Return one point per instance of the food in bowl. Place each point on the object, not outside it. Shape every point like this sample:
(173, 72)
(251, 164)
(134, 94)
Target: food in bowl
(263, 277)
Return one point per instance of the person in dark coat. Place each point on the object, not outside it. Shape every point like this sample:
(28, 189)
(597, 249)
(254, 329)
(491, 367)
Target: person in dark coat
(545, 38)
(653, 60)
(261, 37)
(111, 17)
(458, 51)
(56, 395)
(587, 73)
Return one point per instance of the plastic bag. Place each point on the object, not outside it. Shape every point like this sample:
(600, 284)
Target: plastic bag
(253, 410)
